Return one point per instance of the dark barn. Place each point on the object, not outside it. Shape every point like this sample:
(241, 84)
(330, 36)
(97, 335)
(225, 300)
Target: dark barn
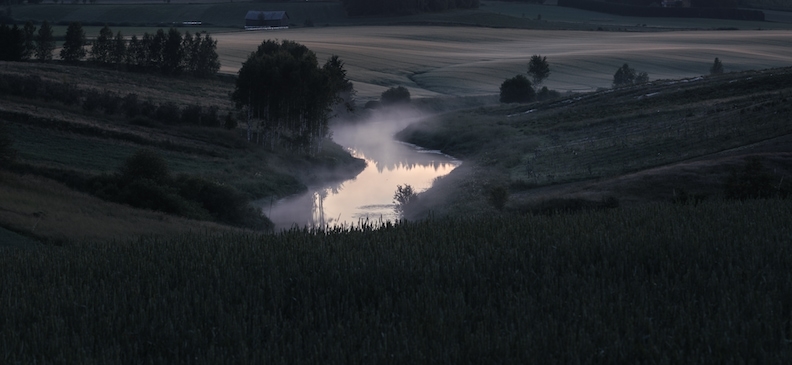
(256, 18)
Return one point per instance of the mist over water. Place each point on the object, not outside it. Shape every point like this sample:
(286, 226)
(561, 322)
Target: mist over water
(369, 196)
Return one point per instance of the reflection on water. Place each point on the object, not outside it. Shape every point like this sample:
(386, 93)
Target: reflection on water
(368, 196)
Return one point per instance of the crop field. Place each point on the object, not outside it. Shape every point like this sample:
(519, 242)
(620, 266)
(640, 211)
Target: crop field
(464, 61)
(656, 284)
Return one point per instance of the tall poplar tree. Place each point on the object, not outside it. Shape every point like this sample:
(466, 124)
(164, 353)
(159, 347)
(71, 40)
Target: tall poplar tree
(45, 42)
(73, 45)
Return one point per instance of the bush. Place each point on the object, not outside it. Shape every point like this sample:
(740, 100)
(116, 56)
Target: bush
(517, 89)
(145, 164)
(395, 95)
(547, 94)
(754, 182)
(498, 196)
(7, 152)
(626, 76)
(404, 197)
(168, 113)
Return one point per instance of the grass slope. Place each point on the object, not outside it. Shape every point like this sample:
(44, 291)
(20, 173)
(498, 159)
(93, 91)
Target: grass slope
(582, 143)
(65, 142)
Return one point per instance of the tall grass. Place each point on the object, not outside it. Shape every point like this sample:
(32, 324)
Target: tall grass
(652, 284)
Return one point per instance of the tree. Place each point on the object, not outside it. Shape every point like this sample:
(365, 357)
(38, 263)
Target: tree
(45, 42)
(119, 51)
(518, 89)
(73, 45)
(286, 94)
(12, 43)
(340, 84)
(626, 76)
(395, 95)
(102, 46)
(717, 67)
(172, 53)
(28, 36)
(538, 69)
(204, 59)
(404, 196)
(137, 53)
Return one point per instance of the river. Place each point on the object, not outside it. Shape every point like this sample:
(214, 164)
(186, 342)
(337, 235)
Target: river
(368, 197)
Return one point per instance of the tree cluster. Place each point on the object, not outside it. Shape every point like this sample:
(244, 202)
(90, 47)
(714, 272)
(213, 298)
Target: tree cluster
(144, 181)
(170, 53)
(626, 76)
(519, 89)
(112, 103)
(17, 44)
(287, 96)
(404, 7)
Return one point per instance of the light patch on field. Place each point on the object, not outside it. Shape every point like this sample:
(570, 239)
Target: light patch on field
(464, 61)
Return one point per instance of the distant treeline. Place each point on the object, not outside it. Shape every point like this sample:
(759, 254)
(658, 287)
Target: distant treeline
(693, 3)
(404, 7)
(671, 12)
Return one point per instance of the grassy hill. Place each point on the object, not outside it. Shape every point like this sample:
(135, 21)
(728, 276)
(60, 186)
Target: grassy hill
(639, 143)
(70, 144)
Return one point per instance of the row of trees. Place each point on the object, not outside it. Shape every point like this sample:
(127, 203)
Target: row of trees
(403, 7)
(171, 53)
(20, 44)
(288, 96)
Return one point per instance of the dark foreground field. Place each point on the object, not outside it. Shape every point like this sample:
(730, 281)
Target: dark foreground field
(656, 284)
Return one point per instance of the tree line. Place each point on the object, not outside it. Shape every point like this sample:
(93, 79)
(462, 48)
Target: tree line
(404, 7)
(170, 53)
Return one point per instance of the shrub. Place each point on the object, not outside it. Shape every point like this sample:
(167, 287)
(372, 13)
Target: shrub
(753, 181)
(547, 94)
(230, 122)
(7, 152)
(498, 196)
(404, 196)
(168, 113)
(191, 114)
(145, 164)
(517, 89)
(717, 67)
(395, 95)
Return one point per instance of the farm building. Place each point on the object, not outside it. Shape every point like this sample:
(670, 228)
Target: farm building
(266, 19)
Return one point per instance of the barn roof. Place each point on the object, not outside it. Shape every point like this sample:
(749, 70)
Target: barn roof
(266, 15)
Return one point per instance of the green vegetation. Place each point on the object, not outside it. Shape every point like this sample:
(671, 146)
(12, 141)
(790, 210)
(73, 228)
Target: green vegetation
(64, 128)
(633, 144)
(395, 95)
(517, 89)
(45, 42)
(626, 76)
(73, 45)
(288, 96)
(655, 284)
(538, 69)
(717, 67)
